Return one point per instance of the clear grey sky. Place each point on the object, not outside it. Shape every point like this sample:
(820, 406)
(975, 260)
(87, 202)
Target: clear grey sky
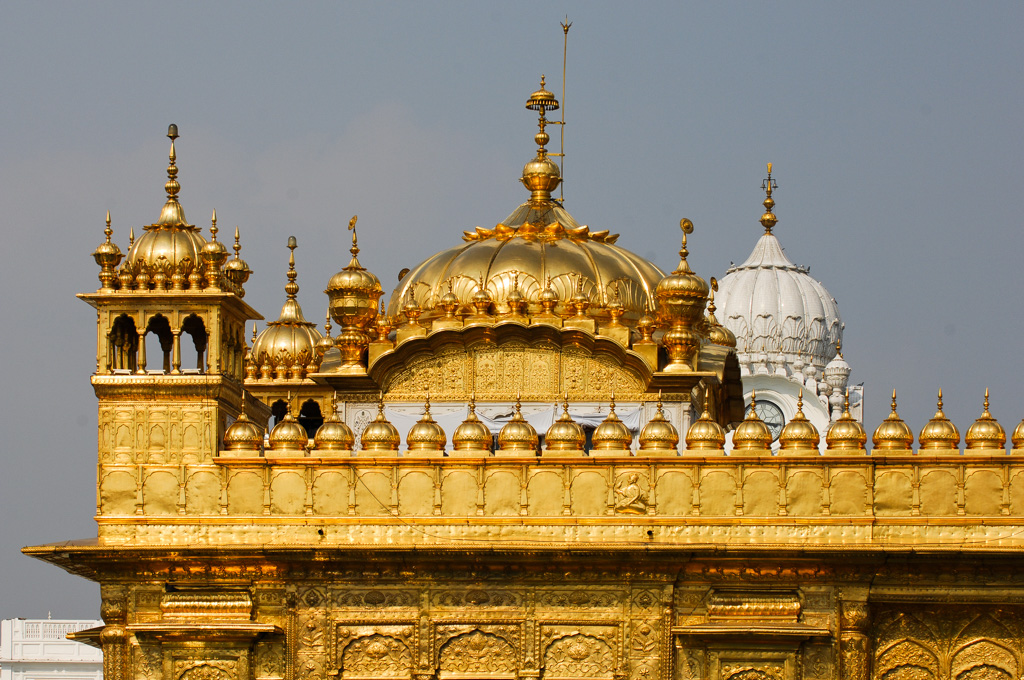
(894, 129)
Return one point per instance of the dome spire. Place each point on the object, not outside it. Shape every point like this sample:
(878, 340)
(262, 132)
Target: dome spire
(768, 219)
(541, 175)
(172, 213)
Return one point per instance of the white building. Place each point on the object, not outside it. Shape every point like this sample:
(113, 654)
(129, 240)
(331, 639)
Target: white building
(788, 336)
(38, 649)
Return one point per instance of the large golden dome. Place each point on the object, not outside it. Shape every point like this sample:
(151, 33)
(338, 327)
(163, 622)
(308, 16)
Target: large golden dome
(538, 241)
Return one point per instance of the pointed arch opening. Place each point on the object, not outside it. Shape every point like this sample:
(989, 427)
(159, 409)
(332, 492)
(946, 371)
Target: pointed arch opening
(159, 342)
(196, 329)
(123, 345)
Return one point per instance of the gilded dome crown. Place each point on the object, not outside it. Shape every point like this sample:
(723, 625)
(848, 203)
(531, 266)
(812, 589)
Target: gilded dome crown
(333, 434)
(799, 435)
(354, 291)
(237, 270)
(287, 347)
(540, 240)
(658, 433)
(752, 435)
(472, 434)
(517, 434)
(985, 433)
(288, 434)
(168, 254)
(380, 434)
(706, 435)
(893, 434)
(939, 434)
(612, 434)
(565, 434)
(426, 434)
(107, 256)
(846, 434)
(243, 435)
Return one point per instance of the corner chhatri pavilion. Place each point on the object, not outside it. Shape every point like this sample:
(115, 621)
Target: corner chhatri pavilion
(517, 467)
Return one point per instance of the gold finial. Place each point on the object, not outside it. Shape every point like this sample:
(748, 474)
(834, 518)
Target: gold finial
(846, 402)
(131, 237)
(753, 400)
(352, 227)
(238, 243)
(800, 401)
(894, 400)
(940, 403)
(213, 226)
(472, 402)
(380, 403)
(986, 414)
(292, 288)
(107, 230)
(426, 404)
(768, 219)
(839, 347)
(542, 101)
(172, 187)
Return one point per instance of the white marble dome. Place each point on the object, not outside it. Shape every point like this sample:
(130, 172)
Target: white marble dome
(784, 320)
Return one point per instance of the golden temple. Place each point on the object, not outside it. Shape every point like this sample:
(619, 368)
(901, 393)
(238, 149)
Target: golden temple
(517, 541)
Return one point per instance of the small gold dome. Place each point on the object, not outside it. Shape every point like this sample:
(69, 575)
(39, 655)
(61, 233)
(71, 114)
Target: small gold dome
(706, 435)
(107, 256)
(893, 434)
(334, 435)
(171, 248)
(658, 433)
(287, 347)
(717, 333)
(288, 435)
(565, 434)
(472, 434)
(612, 434)
(846, 434)
(939, 433)
(353, 292)
(237, 270)
(243, 435)
(426, 434)
(986, 433)
(799, 435)
(752, 434)
(1017, 439)
(379, 434)
(517, 434)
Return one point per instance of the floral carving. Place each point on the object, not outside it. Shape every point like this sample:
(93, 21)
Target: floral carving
(579, 656)
(477, 597)
(377, 598)
(377, 656)
(205, 671)
(477, 652)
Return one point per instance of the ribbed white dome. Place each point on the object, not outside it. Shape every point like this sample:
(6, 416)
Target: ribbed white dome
(777, 311)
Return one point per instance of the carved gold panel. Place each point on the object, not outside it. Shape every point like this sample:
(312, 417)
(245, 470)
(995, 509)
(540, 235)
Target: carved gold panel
(496, 372)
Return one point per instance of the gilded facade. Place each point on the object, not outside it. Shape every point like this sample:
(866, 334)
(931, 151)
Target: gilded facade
(560, 503)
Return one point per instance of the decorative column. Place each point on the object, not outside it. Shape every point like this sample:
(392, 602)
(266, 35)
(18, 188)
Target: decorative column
(176, 352)
(854, 643)
(141, 368)
(113, 638)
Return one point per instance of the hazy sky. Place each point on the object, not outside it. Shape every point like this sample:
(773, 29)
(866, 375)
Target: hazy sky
(894, 129)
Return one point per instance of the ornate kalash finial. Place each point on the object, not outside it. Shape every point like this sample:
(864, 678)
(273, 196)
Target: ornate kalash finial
(682, 297)
(768, 219)
(107, 256)
(541, 175)
(214, 256)
(292, 288)
(172, 213)
(237, 270)
(355, 242)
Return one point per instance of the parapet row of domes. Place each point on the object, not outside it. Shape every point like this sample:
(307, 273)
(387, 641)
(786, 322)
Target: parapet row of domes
(567, 437)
